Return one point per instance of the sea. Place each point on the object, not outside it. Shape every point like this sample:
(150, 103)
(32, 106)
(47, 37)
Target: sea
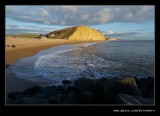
(94, 60)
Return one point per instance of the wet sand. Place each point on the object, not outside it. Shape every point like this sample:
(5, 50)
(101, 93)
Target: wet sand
(25, 48)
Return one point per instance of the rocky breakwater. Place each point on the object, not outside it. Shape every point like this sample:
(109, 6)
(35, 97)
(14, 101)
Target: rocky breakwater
(129, 91)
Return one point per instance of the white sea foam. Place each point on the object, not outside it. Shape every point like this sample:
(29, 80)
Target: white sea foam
(33, 69)
(68, 62)
(89, 44)
(61, 66)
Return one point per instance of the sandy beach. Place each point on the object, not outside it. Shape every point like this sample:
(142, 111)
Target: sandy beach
(25, 48)
(28, 47)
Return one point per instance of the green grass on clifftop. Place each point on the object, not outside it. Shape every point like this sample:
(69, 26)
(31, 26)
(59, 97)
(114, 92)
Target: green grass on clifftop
(25, 35)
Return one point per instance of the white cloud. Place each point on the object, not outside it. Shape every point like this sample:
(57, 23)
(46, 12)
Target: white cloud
(122, 34)
(69, 8)
(43, 12)
(110, 32)
(75, 15)
(84, 17)
(104, 15)
(128, 16)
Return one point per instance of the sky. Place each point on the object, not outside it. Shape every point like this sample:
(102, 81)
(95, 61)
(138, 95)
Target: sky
(126, 22)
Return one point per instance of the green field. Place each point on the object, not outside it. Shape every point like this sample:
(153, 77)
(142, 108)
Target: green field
(25, 35)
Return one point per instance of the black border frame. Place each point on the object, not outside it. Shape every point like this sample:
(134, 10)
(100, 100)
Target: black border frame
(80, 109)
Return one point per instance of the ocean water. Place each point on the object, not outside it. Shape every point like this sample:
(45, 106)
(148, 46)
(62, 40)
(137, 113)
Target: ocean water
(92, 60)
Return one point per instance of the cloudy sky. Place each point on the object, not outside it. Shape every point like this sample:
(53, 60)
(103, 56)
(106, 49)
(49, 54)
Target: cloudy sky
(123, 22)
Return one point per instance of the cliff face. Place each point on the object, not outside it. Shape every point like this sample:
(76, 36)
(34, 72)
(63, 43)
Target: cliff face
(81, 33)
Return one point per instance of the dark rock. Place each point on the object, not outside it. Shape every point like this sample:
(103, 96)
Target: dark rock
(61, 98)
(65, 88)
(31, 100)
(49, 91)
(60, 88)
(125, 86)
(84, 84)
(100, 83)
(142, 100)
(145, 92)
(41, 96)
(145, 82)
(66, 82)
(72, 98)
(32, 90)
(97, 98)
(131, 100)
(53, 100)
(152, 93)
(14, 95)
(86, 97)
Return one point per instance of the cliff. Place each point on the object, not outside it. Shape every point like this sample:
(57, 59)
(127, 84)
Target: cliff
(81, 33)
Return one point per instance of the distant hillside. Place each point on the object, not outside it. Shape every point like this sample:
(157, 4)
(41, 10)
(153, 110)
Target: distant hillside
(111, 39)
(25, 35)
(77, 33)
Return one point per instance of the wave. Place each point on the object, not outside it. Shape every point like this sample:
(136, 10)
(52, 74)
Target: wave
(30, 68)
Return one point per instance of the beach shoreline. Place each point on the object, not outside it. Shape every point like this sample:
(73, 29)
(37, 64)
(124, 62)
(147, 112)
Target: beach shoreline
(29, 48)
(23, 50)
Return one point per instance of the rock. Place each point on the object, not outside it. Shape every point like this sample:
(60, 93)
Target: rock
(152, 93)
(14, 95)
(49, 91)
(145, 92)
(86, 97)
(41, 96)
(72, 98)
(125, 86)
(145, 82)
(79, 33)
(96, 98)
(31, 100)
(100, 83)
(131, 100)
(66, 82)
(61, 98)
(60, 88)
(84, 84)
(53, 100)
(65, 88)
(33, 90)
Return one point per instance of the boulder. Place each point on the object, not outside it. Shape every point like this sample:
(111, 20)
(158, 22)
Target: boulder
(14, 95)
(52, 100)
(49, 91)
(61, 98)
(66, 82)
(145, 82)
(124, 85)
(84, 84)
(31, 91)
(86, 97)
(145, 91)
(31, 100)
(71, 98)
(152, 93)
(131, 100)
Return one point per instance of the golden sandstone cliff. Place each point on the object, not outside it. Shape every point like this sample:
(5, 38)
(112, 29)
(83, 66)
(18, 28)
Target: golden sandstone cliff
(80, 33)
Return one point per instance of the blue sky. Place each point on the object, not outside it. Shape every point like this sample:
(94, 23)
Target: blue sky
(123, 22)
